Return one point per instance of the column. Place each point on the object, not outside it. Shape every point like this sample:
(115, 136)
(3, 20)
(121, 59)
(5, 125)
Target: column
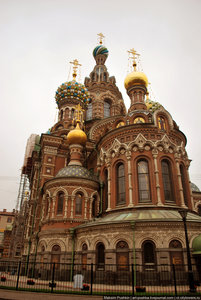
(156, 172)
(108, 163)
(181, 194)
(66, 206)
(130, 188)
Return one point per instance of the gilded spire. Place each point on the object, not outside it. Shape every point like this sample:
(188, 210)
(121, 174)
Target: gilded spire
(100, 37)
(133, 57)
(75, 64)
(78, 118)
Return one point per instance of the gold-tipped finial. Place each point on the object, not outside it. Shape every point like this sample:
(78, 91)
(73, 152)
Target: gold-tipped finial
(75, 64)
(100, 37)
(134, 55)
(78, 118)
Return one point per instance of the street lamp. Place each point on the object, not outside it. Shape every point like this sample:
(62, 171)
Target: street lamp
(192, 287)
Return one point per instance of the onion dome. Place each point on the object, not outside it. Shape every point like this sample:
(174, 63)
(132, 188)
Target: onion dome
(72, 90)
(77, 136)
(100, 49)
(135, 78)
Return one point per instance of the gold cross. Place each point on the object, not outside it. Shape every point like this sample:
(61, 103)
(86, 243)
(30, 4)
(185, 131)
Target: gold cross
(79, 113)
(75, 64)
(134, 55)
(100, 36)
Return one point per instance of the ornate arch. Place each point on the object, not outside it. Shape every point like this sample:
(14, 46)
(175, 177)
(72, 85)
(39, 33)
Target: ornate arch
(58, 242)
(80, 189)
(60, 189)
(166, 114)
(42, 243)
(100, 239)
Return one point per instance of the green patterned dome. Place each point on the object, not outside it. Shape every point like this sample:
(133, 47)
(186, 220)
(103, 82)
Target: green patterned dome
(72, 90)
(100, 50)
(152, 105)
(194, 187)
(196, 245)
(76, 171)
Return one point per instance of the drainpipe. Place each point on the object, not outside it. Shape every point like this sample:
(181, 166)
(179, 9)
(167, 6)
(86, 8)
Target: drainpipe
(134, 257)
(72, 233)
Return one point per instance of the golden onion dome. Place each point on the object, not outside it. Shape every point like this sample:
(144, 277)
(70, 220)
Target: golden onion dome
(135, 78)
(77, 136)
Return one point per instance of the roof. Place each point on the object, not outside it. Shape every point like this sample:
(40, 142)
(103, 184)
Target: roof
(143, 215)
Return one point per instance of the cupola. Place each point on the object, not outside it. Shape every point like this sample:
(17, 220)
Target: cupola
(136, 84)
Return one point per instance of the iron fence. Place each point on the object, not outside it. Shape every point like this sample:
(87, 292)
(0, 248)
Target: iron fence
(98, 279)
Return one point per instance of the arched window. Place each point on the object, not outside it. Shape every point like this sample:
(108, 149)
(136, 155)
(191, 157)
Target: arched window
(100, 256)
(60, 203)
(120, 184)
(184, 181)
(78, 204)
(161, 123)
(106, 109)
(167, 180)
(122, 255)
(84, 256)
(89, 112)
(176, 253)
(94, 206)
(105, 191)
(143, 181)
(149, 255)
(55, 255)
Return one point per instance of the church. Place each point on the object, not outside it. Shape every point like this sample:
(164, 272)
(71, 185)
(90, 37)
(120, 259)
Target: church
(106, 184)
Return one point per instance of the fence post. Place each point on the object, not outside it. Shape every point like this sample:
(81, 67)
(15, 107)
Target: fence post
(91, 278)
(175, 282)
(52, 284)
(18, 275)
(133, 285)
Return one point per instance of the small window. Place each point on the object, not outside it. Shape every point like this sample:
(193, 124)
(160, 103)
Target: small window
(9, 220)
(143, 181)
(120, 183)
(60, 203)
(106, 109)
(78, 204)
(167, 180)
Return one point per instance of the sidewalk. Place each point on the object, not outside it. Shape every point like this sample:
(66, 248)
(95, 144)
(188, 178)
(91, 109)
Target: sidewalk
(18, 295)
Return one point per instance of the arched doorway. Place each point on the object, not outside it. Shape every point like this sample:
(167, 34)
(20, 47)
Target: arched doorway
(100, 256)
(149, 255)
(176, 254)
(55, 255)
(122, 255)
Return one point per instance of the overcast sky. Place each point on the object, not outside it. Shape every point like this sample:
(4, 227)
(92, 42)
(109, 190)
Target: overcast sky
(38, 38)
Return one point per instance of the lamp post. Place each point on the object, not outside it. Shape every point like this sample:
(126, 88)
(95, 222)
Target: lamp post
(192, 287)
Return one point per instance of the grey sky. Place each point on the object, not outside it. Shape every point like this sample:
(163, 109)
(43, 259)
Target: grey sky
(39, 38)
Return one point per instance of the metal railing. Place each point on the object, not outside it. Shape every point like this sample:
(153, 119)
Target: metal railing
(98, 279)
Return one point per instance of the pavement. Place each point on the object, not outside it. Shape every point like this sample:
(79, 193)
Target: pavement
(18, 295)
